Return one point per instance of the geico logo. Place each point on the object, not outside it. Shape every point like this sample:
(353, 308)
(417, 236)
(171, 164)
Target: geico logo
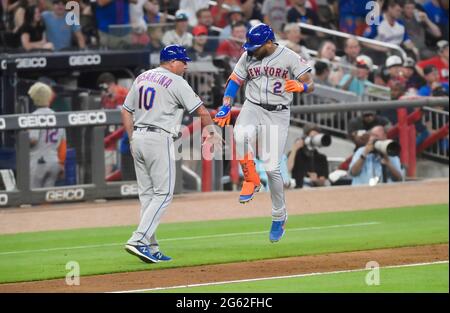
(65, 194)
(3, 199)
(78, 60)
(87, 118)
(37, 120)
(128, 190)
(3, 65)
(31, 62)
(2, 123)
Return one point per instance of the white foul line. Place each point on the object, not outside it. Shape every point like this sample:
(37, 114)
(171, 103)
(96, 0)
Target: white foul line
(277, 277)
(190, 238)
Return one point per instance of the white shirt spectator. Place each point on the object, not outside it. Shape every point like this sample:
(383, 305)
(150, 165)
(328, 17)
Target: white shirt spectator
(190, 7)
(275, 13)
(395, 34)
(172, 38)
(137, 16)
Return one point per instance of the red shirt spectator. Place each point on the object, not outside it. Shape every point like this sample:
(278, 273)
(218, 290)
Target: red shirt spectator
(220, 14)
(440, 62)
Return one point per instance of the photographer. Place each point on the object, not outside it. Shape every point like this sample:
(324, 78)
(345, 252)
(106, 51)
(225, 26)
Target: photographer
(370, 166)
(306, 164)
(113, 95)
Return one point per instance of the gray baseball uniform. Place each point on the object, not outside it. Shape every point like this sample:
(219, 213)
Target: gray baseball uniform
(156, 99)
(44, 162)
(265, 86)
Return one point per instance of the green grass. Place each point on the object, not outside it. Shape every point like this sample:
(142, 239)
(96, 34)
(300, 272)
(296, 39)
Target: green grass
(396, 227)
(423, 278)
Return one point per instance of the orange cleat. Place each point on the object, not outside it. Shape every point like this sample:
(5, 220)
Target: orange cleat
(252, 182)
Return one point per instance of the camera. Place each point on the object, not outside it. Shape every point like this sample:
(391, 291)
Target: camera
(317, 141)
(387, 147)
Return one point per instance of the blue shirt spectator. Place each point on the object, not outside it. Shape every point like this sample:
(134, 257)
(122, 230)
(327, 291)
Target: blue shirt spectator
(437, 15)
(111, 12)
(57, 30)
(366, 167)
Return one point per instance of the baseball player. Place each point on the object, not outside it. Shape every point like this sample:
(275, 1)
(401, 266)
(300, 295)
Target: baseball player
(48, 146)
(156, 102)
(272, 73)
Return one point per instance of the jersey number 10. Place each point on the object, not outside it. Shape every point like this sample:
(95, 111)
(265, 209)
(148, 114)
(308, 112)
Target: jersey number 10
(146, 97)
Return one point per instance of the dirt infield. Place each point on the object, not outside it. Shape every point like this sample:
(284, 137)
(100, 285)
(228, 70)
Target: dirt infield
(237, 271)
(223, 205)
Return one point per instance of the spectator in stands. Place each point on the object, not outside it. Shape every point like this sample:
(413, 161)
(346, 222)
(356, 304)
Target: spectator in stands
(413, 80)
(306, 164)
(57, 31)
(235, 15)
(437, 11)
(113, 13)
(204, 17)
(232, 47)
(47, 146)
(322, 71)
(352, 16)
(293, 38)
(197, 51)
(417, 25)
(432, 82)
(328, 15)
(113, 95)
(390, 29)
(300, 13)
(352, 49)
(220, 11)
(252, 10)
(440, 61)
(179, 35)
(394, 68)
(327, 53)
(192, 7)
(275, 12)
(358, 127)
(32, 32)
(139, 35)
(156, 34)
(370, 167)
(154, 14)
(357, 81)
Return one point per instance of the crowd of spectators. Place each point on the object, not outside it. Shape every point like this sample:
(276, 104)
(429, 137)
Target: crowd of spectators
(208, 31)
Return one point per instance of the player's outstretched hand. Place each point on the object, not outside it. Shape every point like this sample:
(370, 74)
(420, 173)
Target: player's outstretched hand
(293, 85)
(223, 117)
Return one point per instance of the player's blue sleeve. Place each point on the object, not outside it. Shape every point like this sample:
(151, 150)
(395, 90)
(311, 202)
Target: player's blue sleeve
(231, 89)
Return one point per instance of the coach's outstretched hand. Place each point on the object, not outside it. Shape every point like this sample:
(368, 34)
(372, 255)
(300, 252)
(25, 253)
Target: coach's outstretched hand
(293, 85)
(223, 117)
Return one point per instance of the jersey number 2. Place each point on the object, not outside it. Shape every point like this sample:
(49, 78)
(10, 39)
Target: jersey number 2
(145, 99)
(277, 88)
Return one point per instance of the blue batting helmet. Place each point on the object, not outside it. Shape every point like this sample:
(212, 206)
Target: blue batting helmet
(257, 36)
(174, 52)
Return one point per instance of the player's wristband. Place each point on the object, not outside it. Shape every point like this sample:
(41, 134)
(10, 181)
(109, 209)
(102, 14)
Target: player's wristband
(305, 87)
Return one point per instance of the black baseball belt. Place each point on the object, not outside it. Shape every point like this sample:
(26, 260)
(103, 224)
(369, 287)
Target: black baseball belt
(269, 107)
(151, 129)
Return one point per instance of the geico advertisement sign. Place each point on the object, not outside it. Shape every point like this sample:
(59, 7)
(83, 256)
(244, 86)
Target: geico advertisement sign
(64, 195)
(87, 118)
(31, 62)
(80, 60)
(129, 190)
(3, 199)
(37, 121)
(2, 123)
